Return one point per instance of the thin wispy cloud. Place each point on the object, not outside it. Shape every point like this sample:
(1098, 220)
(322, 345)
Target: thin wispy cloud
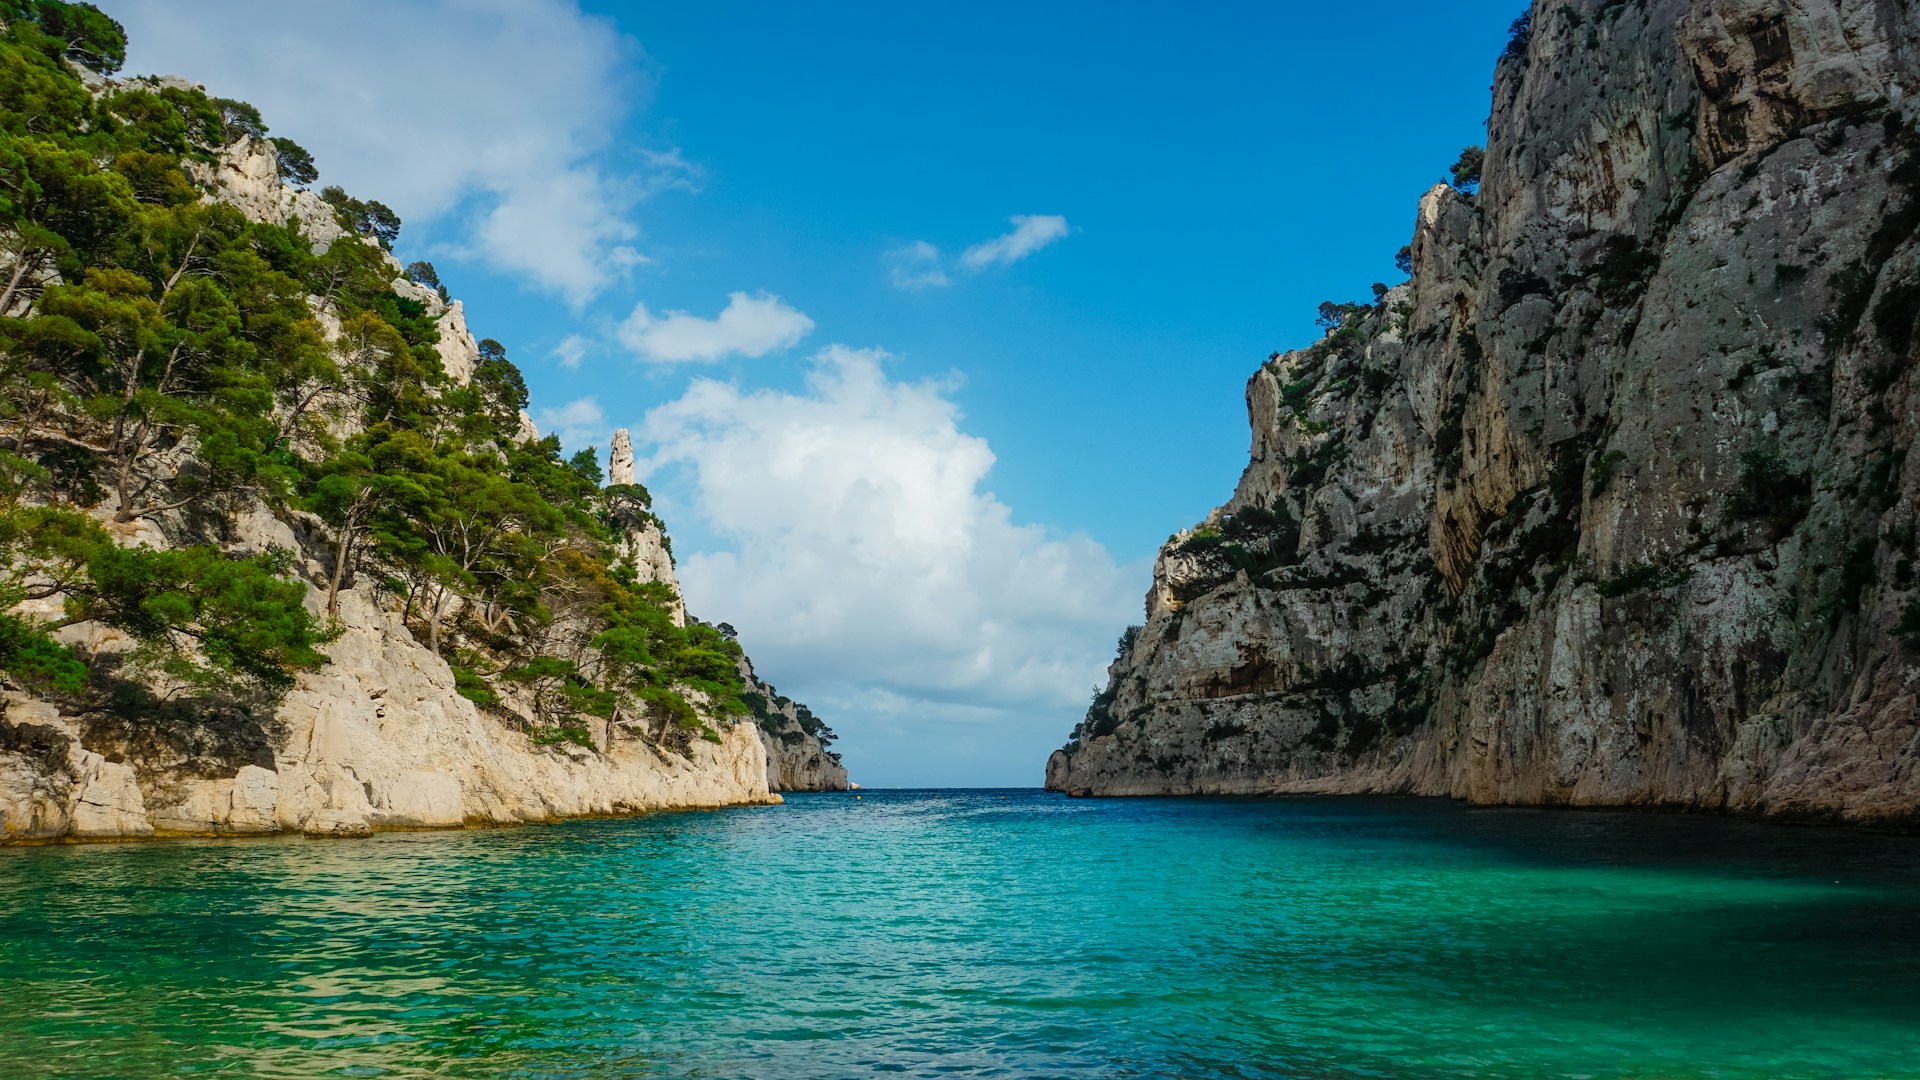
(571, 350)
(920, 265)
(670, 171)
(581, 422)
(1031, 232)
(917, 266)
(748, 326)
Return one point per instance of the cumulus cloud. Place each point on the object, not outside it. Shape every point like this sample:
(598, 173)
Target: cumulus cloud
(1031, 232)
(864, 559)
(748, 326)
(488, 120)
(916, 266)
(581, 422)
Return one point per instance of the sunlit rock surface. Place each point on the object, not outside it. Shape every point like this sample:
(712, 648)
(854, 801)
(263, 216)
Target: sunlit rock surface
(1611, 503)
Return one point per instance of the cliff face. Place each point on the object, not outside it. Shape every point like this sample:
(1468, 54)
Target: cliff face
(385, 735)
(1611, 503)
(380, 738)
(796, 742)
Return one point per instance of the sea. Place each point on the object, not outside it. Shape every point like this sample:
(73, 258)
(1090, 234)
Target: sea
(979, 933)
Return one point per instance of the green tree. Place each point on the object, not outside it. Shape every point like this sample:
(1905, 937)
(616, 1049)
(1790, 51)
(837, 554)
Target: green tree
(370, 219)
(421, 272)
(295, 163)
(348, 493)
(59, 212)
(1466, 170)
(199, 615)
(86, 35)
(37, 92)
(155, 178)
(238, 120)
(460, 528)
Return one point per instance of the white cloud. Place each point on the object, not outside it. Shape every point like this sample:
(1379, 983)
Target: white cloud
(490, 121)
(867, 565)
(578, 423)
(916, 266)
(671, 172)
(1031, 232)
(748, 326)
(571, 350)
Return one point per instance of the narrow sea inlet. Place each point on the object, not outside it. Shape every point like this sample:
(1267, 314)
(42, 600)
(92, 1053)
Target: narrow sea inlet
(979, 933)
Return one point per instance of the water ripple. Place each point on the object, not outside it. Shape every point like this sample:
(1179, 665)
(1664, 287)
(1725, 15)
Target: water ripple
(982, 934)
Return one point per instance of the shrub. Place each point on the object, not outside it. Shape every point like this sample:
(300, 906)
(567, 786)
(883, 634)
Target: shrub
(1851, 287)
(1897, 316)
(1770, 488)
(1908, 628)
(1466, 169)
(1856, 570)
(37, 662)
(1603, 469)
(554, 736)
(1624, 269)
(471, 686)
(1519, 36)
(1639, 576)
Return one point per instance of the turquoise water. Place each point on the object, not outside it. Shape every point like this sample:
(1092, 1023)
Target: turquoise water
(978, 934)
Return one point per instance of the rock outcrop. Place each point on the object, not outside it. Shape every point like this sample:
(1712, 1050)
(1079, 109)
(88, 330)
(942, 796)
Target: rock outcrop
(796, 742)
(620, 459)
(247, 176)
(1610, 504)
(385, 735)
(379, 739)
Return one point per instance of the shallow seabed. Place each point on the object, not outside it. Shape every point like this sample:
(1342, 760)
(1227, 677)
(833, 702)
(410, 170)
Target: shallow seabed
(1005, 933)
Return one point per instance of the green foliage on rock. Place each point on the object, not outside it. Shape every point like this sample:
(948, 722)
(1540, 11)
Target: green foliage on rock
(294, 162)
(79, 32)
(1465, 174)
(164, 367)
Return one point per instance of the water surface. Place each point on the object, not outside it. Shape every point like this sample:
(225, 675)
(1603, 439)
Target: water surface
(979, 934)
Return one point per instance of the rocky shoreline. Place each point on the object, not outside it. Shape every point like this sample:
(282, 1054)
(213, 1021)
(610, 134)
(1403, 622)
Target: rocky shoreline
(1611, 503)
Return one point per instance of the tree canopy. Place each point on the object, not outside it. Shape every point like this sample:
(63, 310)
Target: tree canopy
(79, 32)
(165, 360)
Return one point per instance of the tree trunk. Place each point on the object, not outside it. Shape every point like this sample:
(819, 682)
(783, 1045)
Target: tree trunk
(20, 270)
(340, 557)
(433, 620)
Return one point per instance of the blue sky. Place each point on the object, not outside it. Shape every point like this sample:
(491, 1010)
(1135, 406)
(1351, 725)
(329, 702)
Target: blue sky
(935, 547)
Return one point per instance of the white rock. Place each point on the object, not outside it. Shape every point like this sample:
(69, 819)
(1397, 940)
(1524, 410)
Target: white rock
(620, 459)
(106, 798)
(459, 354)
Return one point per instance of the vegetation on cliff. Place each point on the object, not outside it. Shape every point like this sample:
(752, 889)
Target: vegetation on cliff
(1612, 501)
(167, 365)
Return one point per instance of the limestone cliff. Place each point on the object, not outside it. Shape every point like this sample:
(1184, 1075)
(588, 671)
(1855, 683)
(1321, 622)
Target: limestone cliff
(1611, 503)
(796, 741)
(387, 734)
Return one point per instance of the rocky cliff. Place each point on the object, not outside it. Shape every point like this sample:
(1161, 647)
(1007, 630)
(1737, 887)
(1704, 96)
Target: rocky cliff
(1611, 503)
(448, 689)
(795, 740)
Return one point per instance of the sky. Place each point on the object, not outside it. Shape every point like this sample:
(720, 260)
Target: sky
(931, 322)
